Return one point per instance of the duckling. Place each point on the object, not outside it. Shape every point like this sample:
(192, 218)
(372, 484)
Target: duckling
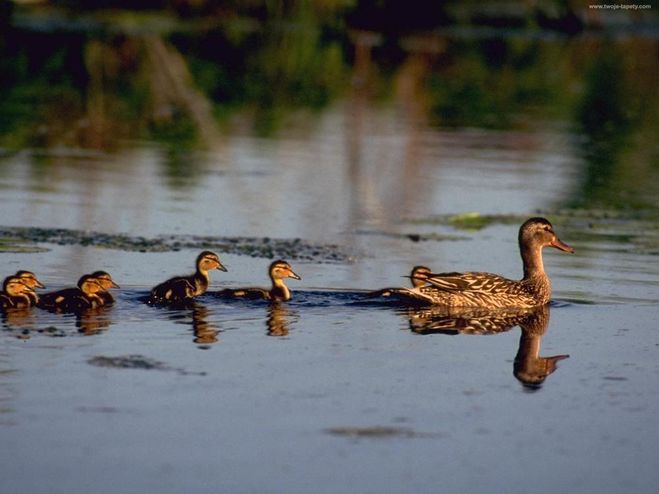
(418, 277)
(15, 294)
(492, 291)
(30, 280)
(105, 280)
(84, 296)
(278, 272)
(184, 288)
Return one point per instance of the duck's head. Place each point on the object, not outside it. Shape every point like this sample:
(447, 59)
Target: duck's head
(13, 286)
(89, 285)
(419, 275)
(29, 279)
(281, 269)
(104, 279)
(208, 260)
(539, 232)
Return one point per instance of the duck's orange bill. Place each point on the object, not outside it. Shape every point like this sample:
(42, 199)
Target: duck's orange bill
(557, 243)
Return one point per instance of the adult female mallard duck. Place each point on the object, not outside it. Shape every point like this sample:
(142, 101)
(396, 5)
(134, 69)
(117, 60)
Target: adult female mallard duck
(478, 289)
(84, 296)
(30, 280)
(492, 291)
(106, 282)
(184, 288)
(278, 272)
(15, 294)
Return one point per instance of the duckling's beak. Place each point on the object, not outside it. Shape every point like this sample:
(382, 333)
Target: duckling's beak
(114, 285)
(291, 274)
(221, 267)
(558, 244)
(38, 284)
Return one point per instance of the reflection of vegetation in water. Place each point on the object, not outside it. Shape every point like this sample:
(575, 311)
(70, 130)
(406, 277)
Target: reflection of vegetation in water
(488, 83)
(612, 115)
(95, 88)
(605, 122)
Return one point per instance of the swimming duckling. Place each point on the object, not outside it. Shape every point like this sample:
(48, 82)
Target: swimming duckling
(14, 294)
(184, 288)
(30, 280)
(105, 280)
(84, 296)
(278, 271)
(418, 277)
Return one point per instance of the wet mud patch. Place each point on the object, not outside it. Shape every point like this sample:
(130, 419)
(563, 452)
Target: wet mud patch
(378, 432)
(15, 246)
(28, 237)
(414, 237)
(137, 362)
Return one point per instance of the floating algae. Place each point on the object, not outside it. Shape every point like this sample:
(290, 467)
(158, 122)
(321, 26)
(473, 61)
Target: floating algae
(266, 247)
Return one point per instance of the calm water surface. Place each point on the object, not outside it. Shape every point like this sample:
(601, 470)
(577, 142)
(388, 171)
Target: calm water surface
(327, 393)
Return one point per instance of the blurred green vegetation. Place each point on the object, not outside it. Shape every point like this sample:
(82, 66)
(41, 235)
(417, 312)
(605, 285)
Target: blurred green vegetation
(178, 71)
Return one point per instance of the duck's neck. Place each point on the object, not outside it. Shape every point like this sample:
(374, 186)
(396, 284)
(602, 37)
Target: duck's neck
(279, 290)
(532, 259)
(201, 280)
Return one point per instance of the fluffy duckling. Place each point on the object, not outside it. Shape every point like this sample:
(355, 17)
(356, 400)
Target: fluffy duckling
(106, 282)
(84, 296)
(15, 294)
(184, 288)
(418, 277)
(278, 271)
(30, 280)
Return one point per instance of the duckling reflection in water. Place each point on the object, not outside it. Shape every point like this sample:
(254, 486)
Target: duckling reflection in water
(205, 333)
(184, 288)
(30, 280)
(278, 272)
(15, 294)
(491, 291)
(279, 320)
(90, 321)
(529, 368)
(84, 296)
(17, 318)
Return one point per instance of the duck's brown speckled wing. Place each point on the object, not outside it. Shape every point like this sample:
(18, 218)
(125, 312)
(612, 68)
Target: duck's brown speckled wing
(477, 289)
(472, 281)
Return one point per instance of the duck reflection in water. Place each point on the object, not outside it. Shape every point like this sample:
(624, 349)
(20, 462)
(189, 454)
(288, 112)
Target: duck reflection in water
(17, 318)
(92, 321)
(279, 319)
(205, 333)
(529, 367)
